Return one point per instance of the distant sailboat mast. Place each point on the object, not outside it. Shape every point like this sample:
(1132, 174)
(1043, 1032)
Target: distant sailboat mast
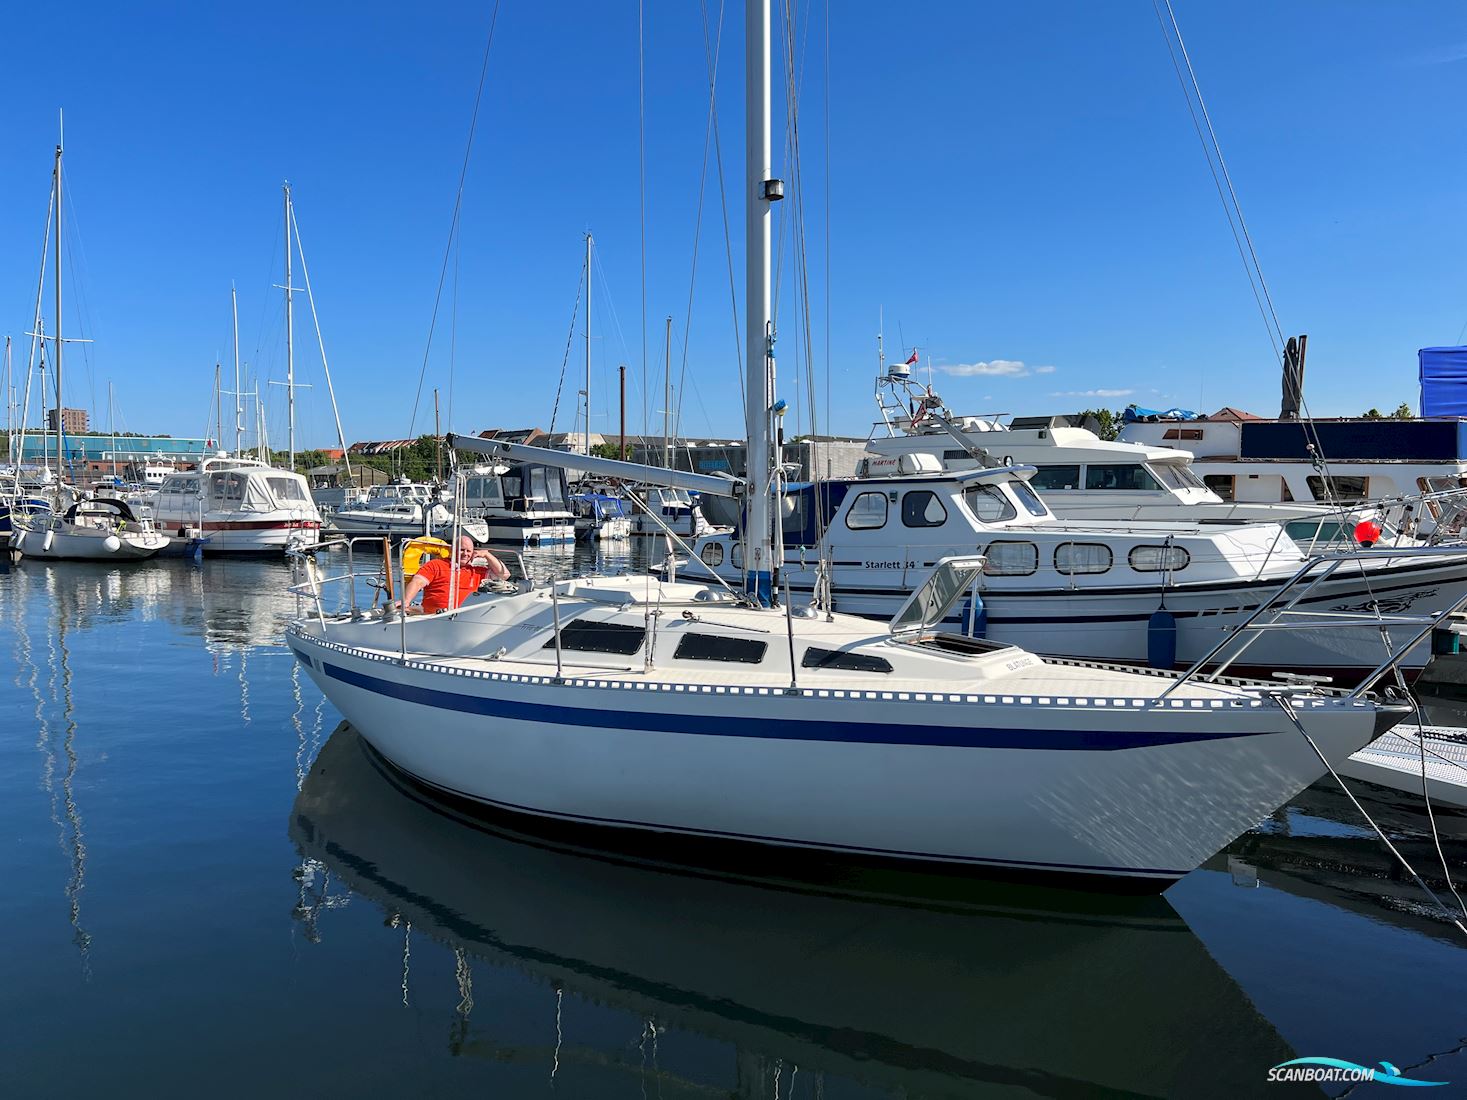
(238, 397)
(56, 361)
(588, 345)
(289, 337)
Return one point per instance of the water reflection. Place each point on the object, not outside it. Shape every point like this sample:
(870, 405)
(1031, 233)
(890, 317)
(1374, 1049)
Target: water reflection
(955, 996)
(1307, 849)
(68, 605)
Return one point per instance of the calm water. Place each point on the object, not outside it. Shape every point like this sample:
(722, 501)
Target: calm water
(211, 889)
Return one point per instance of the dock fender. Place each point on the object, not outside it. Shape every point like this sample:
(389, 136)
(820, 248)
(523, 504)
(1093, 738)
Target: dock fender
(1161, 639)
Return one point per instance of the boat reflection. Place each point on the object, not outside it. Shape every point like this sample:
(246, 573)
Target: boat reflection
(59, 758)
(973, 990)
(1318, 847)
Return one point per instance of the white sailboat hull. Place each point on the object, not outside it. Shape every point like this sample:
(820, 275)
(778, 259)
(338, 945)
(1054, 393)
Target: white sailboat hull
(87, 544)
(1019, 784)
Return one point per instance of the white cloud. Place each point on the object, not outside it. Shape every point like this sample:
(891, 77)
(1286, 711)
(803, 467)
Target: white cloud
(1094, 393)
(1043, 370)
(1009, 368)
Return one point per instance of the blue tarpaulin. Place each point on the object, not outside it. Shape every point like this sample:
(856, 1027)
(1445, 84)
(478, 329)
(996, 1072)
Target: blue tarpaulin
(1132, 413)
(1443, 381)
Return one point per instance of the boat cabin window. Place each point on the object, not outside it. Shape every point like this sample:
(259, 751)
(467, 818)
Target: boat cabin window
(712, 554)
(1056, 477)
(286, 488)
(720, 647)
(1182, 433)
(843, 661)
(867, 512)
(589, 636)
(1221, 484)
(1007, 558)
(1158, 559)
(1176, 475)
(1029, 499)
(1128, 476)
(1337, 488)
(226, 486)
(921, 508)
(988, 505)
(483, 491)
(1071, 558)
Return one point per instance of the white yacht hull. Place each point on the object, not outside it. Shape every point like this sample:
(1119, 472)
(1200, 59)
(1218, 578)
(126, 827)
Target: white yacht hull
(529, 530)
(87, 544)
(1017, 784)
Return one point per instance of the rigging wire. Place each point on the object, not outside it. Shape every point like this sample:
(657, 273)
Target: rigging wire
(642, 189)
(454, 221)
(733, 293)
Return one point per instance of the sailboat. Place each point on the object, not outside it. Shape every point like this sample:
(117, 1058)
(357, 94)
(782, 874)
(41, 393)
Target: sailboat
(79, 529)
(628, 706)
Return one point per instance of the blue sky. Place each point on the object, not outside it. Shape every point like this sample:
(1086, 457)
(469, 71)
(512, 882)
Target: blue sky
(1017, 186)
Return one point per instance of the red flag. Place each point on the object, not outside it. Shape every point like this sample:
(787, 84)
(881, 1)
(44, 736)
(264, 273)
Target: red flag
(912, 360)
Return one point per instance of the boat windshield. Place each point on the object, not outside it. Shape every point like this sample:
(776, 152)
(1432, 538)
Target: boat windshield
(929, 605)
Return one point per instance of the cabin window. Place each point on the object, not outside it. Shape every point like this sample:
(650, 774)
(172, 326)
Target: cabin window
(736, 555)
(1028, 499)
(1221, 484)
(867, 512)
(712, 554)
(1182, 433)
(1056, 477)
(1005, 558)
(1337, 488)
(1071, 558)
(843, 661)
(1129, 477)
(720, 647)
(955, 456)
(286, 488)
(921, 508)
(589, 636)
(1176, 475)
(988, 505)
(1158, 559)
(226, 486)
(538, 490)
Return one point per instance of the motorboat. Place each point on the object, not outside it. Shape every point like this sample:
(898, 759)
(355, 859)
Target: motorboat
(92, 529)
(241, 505)
(399, 509)
(600, 517)
(668, 510)
(1086, 589)
(519, 504)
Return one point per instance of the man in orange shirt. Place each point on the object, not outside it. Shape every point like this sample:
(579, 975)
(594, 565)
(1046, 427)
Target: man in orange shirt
(435, 579)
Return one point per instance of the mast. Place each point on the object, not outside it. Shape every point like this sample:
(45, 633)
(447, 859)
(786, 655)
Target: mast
(238, 397)
(111, 425)
(588, 344)
(57, 358)
(218, 405)
(437, 441)
(9, 409)
(621, 450)
(762, 191)
(289, 345)
(667, 396)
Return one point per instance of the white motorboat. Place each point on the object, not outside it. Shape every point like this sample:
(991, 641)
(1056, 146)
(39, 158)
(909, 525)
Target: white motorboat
(647, 705)
(1080, 475)
(519, 504)
(600, 517)
(1140, 592)
(676, 512)
(242, 506)
(400, 509)
(98, 529)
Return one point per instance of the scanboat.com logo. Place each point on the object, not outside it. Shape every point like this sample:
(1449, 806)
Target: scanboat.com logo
(1336, 1071)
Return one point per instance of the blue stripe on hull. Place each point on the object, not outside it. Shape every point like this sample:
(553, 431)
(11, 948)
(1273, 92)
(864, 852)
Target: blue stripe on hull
(710, 725)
